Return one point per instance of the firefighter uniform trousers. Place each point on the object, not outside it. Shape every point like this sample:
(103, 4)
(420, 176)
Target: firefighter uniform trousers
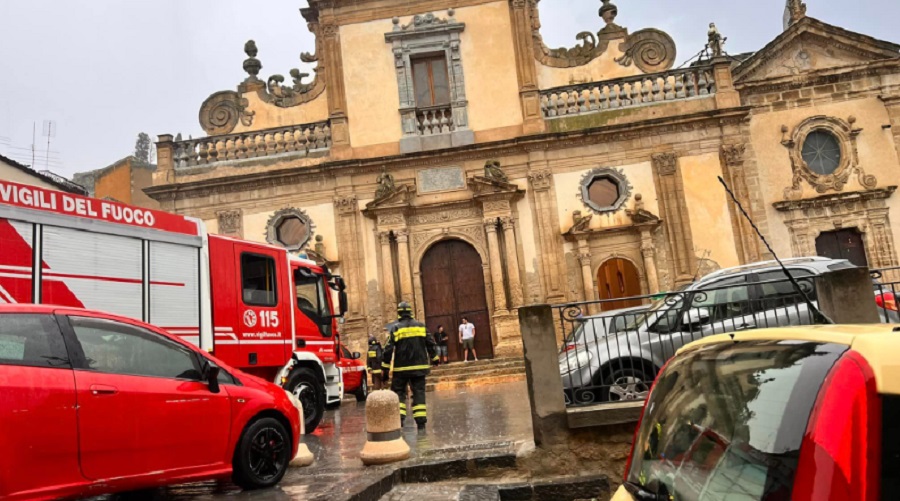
(417, 383)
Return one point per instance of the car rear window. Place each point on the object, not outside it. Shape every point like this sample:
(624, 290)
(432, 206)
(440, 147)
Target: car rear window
(726, 421)
(31, 340)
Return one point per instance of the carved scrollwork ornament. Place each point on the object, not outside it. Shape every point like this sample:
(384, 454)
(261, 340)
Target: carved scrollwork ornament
(222, 111)
(845, 134)
(651, 50)
(274, 92)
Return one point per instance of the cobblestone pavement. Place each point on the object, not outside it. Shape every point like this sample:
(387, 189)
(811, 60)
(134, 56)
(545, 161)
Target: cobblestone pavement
(460, 420)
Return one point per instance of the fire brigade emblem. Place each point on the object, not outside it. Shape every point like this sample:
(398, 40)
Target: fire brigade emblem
(250, 318)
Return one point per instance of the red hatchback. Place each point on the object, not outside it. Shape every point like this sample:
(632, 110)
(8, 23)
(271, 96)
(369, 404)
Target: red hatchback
(93, 403)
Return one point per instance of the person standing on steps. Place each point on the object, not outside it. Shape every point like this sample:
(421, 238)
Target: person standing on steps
(374, 361)
(467, 339)
(411, 351)
(442, 339)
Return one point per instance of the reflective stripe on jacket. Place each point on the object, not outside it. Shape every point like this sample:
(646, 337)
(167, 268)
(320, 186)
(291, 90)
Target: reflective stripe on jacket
(411, 347)
(374, 357)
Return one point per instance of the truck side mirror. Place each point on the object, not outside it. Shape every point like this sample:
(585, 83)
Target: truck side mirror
(356, 355)
(342, 302)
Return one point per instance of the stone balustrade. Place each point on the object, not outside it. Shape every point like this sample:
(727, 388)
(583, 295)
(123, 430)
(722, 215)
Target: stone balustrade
(593, 97)
(435, 120)
(299, 140)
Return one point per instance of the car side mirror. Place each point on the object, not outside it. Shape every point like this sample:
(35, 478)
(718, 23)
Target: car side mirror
(696, 317)
(356, 355)
(211, 375)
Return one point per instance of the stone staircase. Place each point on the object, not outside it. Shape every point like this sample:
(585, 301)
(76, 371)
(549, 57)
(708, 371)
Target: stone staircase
(460, 374)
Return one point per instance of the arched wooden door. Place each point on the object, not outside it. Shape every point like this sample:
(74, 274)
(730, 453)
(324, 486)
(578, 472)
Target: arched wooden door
(453, 288)
(618, 278)
(846, 243)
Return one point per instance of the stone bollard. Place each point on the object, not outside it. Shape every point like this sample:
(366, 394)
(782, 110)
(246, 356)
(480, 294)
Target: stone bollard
(303, 458)
(384, 443)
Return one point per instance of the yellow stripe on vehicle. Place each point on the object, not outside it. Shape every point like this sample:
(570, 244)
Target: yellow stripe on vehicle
(412, 368)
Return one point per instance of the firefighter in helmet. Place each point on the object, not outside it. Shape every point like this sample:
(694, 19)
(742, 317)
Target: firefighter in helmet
(411, 351)
(374, 362)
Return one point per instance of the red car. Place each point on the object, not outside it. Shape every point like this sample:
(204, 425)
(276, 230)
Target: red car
(94, 403)
(354, 374)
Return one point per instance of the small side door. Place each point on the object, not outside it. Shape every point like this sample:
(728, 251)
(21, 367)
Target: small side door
(142, 405)
(38, 422)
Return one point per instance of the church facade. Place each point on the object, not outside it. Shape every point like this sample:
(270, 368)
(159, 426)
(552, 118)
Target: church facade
(447, 157)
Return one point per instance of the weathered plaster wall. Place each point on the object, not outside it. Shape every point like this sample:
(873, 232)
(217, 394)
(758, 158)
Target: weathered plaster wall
(602, 68)
(489, 64)
(115, 184)
(322, 216)
(877, 156)
(370, 81)
(140, 179)
(568, 187)
(8, 173)
(707, 205)
(268, 116)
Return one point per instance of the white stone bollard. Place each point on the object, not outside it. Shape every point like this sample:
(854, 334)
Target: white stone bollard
(384, 443)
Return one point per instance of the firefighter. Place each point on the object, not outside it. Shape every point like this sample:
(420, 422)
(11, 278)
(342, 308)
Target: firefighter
(411, 351)
(374, 361)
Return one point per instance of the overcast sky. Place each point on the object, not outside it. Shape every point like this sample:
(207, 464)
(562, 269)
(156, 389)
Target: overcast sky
(105, 70)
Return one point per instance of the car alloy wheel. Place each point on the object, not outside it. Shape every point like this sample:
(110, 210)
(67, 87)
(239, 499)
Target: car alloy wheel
(628, 388)
(267, 453)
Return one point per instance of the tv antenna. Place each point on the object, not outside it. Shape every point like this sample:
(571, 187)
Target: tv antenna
(49, 133)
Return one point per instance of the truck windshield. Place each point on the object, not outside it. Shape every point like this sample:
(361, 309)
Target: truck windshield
(730, 418)
(311, 301)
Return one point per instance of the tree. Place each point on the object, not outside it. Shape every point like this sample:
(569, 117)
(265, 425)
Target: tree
(143, 147)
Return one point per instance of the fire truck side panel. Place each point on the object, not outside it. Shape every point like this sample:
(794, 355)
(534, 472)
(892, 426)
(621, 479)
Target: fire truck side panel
(224, 301)
(16, 258)
(174, 280)
(92, 270)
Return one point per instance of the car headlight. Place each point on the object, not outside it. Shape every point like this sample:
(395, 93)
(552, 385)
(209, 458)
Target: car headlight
(575, 361)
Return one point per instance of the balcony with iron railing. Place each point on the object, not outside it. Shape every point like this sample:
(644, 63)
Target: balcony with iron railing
(304, 140)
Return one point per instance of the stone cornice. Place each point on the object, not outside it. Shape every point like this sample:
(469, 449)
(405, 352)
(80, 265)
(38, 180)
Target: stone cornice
(820, 77)
(361, 11)
(835, 199)
(483, 151)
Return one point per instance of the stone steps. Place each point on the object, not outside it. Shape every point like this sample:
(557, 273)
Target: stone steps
(476, 373)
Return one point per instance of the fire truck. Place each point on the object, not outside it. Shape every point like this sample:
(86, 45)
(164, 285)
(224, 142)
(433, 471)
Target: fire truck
(255, 306)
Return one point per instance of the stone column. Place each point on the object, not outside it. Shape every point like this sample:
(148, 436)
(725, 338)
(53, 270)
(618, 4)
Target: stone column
(745, 239)
(524, 19)
(350, 245)
(892, 103)
(165, 162)
(587, 274)
(548, 234)
(673, 207)
(330, 51)
(649, 254)
(490, 227)
(516, 294)
(406, 285)
(388, 291)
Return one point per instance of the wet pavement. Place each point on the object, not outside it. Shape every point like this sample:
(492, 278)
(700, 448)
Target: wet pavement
(471, 422)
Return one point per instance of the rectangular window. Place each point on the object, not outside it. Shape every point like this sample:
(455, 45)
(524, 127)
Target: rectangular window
(115, 348)
(780, 292)
(311, 301)
(432, 84)
(32, 340)
(258, 280)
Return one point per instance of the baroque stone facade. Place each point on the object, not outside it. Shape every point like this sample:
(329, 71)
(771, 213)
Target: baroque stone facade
(548, 164)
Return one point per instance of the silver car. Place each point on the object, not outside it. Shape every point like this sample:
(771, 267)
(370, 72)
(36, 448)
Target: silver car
(603, 364)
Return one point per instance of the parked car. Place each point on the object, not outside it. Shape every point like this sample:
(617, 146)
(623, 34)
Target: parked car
(93, 403)
(621, 365)
(353, 368)
(802, 414)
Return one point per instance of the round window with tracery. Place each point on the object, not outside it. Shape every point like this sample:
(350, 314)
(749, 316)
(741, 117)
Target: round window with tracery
(822, 152)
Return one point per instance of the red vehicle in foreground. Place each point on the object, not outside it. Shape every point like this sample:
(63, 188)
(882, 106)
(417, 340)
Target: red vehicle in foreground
(94, 403)
(258, 308)
(353, 368)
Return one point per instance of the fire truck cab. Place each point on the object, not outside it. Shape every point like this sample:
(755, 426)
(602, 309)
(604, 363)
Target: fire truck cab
(255, 306)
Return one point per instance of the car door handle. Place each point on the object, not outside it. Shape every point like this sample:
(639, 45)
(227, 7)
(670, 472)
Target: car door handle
(102, 389)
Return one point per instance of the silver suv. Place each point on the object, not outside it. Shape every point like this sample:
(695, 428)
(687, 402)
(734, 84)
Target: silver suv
(603, 364)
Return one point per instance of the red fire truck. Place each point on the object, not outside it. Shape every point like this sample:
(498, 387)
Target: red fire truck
(256, 307)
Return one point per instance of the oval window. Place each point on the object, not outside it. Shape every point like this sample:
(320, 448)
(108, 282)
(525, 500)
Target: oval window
(821, 152)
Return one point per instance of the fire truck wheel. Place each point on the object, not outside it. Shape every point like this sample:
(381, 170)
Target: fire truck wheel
(263, 454)
(304, 384)
(363, 391)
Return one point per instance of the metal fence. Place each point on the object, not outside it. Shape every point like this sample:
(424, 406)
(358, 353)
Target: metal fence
(612, 350)
(886, 282)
